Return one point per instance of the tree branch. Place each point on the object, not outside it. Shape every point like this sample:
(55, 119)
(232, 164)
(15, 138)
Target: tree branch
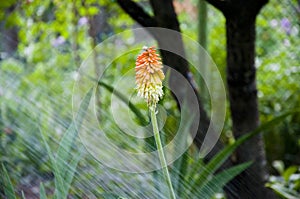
(222, 5)
(229, 7)
(165, 14)
(137, 13)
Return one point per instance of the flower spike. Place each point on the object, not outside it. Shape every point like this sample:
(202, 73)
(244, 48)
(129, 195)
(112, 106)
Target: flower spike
(149, 76)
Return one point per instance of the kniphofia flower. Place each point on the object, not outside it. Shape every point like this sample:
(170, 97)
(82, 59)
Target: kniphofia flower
(149, 76)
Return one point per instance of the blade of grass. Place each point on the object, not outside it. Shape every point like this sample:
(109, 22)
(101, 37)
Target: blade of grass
(8, 187)
(64, 151)
(23, 195)
(283, 191)
(182, 172)
(150, 142)
(123, 98)
(221, 157)
(179, 165)
(58, 180)
(71, 170)
(217, 182)
(65, 145)
(42, 192)
(196, 167)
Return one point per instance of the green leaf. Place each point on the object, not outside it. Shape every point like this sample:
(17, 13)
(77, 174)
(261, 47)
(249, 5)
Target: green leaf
(93, 10)
(61, 167)
(279, 166)
(150, 143)
(59, 185)
(42, 192)
(6, 4)
(196, 167)
(283, 191)
(71, 170)
(181, 184)
(8, 187)
(23, 195)
(12, 20)
(217, 182)
(141, 118)
(134, 109)
(288, 172)
(221, 157)
(157, 179)
(180, 165)
(65, 145)
(110, 196)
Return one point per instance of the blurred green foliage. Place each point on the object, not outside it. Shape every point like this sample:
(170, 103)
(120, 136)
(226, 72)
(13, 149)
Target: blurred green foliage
(54, 37)
(278, 54)
(287, 185)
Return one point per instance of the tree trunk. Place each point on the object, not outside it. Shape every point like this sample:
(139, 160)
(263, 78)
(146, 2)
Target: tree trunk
(241, 81)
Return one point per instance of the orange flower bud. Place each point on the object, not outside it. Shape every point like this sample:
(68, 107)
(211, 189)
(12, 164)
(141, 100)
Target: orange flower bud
(149, 76)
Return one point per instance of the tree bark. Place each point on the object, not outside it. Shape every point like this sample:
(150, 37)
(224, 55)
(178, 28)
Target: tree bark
(241, 81)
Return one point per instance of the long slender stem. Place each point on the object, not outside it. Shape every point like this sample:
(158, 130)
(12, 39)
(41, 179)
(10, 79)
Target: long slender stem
(161, 155)
(202, 38)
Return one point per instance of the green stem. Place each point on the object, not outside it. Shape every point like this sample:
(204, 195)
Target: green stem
(202, 38)
(161, 155)
(202, 23)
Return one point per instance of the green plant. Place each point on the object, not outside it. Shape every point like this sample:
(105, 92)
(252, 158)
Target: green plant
(190, 175)
(149, 87)
(63, 164)
(287, 185)
(200, 180)
(37, 77)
